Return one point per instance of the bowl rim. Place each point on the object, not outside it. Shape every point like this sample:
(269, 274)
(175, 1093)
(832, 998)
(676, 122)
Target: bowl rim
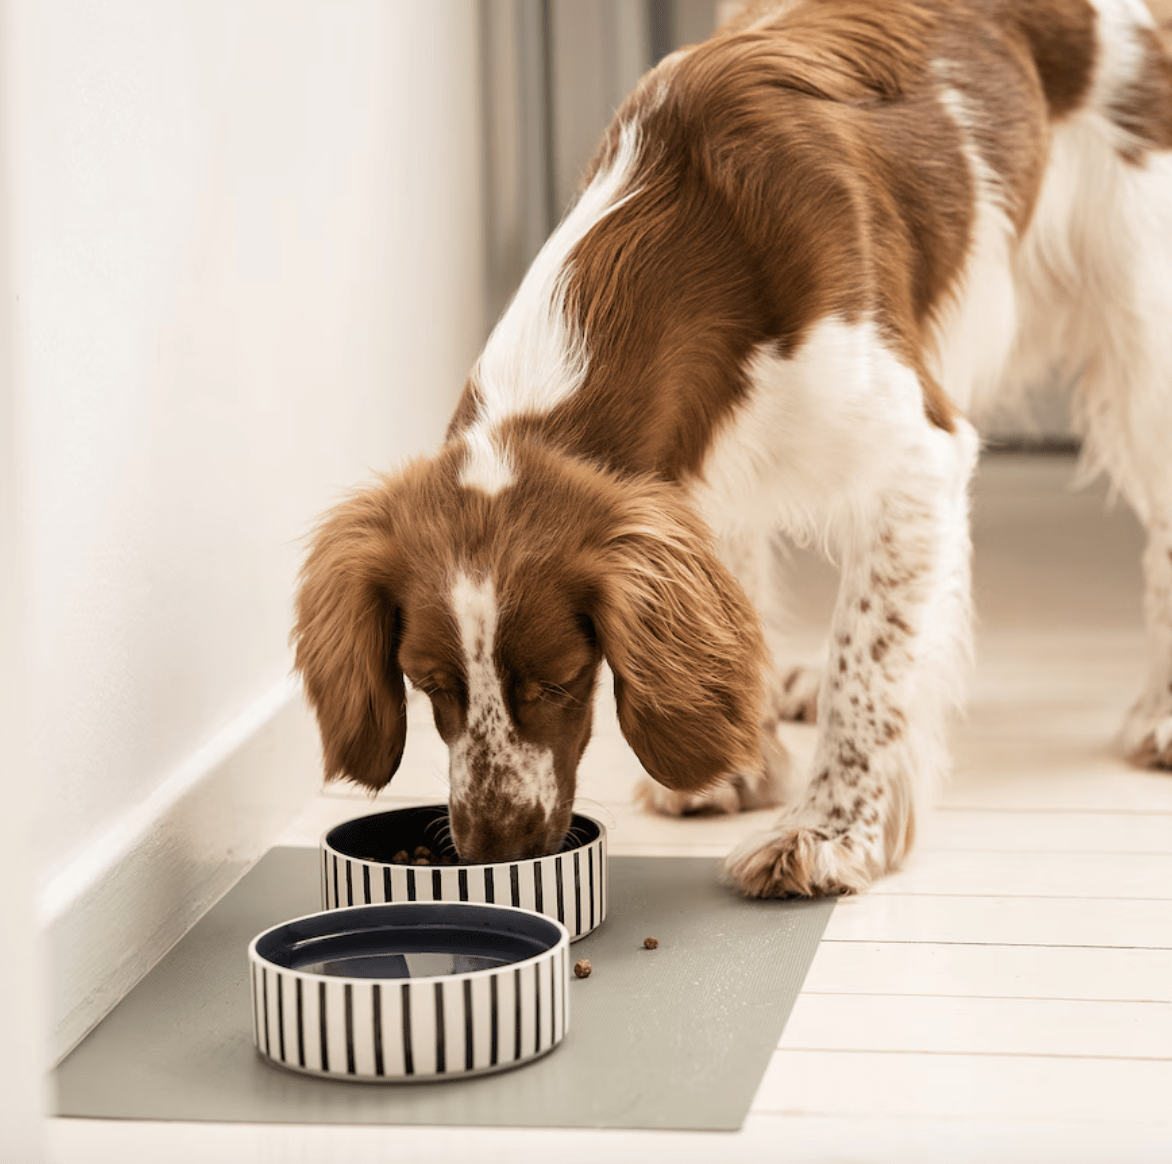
(563, 942)
(324, 843)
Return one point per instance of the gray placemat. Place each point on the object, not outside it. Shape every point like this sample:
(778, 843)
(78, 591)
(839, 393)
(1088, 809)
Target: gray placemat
(677, 1037)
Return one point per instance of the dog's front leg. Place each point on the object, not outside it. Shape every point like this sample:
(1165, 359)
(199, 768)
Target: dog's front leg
(1147, 731)
(898, 642)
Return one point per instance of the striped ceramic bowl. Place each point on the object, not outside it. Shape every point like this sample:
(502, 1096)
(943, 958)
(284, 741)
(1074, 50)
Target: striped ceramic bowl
(410, 991)
(359, 867)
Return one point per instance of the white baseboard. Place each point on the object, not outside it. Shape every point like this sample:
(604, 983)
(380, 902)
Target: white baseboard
(129, 896)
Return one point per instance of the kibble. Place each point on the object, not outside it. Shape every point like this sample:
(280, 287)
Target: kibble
(650, 943)
(582, 968)
(424, 856)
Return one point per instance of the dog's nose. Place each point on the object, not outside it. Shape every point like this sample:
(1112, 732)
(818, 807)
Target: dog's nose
(500, 833)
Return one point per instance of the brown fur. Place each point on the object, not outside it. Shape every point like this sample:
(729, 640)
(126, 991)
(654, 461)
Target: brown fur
(1059, 38)
(1146, 112)
(585, 566)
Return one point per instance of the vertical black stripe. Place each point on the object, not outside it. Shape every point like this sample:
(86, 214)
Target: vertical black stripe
(515, 883)
(376, 1007)
(469, 1057)
(517, 1013)
(441, 1056)
(489, 887)
(462, 881)
(437, 885)
(410, 884)
(281, 1015)
(387, 894)
(325, 879)
(494, 1016)
(323, 1026)
(254, 970)
(366, 884)
(264, 983)
(538, 887)
(553, 993)
(408, 1056)
(300, 1024)
(577, 894)
(337, 898)
(349, 884)
(348, 994)
(590, 866)
(565, 988)
(601, 884)
(557, 870)
(537, 1007)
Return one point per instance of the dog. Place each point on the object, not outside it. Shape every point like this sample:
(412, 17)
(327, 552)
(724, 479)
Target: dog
(806, 252)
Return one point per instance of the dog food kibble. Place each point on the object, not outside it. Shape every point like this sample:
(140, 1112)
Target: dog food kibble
(650, 943)
(423, 856)
(582, 968)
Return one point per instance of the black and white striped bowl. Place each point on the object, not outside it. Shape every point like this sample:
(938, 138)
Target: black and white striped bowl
(357, 869)
(412, 991)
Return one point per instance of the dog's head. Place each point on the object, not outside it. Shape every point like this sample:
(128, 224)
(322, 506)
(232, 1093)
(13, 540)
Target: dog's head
(501, 604)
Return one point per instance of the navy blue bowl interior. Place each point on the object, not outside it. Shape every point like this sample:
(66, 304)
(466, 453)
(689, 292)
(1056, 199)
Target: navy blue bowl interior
(380, 836)
(408, 940)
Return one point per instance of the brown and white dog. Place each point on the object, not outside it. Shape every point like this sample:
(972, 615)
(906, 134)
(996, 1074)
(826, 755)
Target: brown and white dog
(806, 251)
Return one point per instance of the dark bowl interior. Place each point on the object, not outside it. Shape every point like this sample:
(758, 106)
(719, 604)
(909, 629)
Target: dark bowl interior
(379, 837)
(408, 940)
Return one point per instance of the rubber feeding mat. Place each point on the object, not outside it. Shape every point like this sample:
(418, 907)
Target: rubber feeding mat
(676, 1037)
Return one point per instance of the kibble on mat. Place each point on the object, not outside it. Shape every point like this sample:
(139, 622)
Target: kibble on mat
(582, 968)
(650, 943)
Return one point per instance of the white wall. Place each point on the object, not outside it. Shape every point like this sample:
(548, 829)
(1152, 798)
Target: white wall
(247, 259)
(22, 1093)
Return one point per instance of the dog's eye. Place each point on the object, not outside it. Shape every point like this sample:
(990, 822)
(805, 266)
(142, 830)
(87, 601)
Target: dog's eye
(532, 691)
(438, 687)
(544, 691)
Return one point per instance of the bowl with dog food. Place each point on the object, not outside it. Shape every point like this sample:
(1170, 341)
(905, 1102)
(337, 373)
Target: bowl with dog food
(406, 855)
(410, 991)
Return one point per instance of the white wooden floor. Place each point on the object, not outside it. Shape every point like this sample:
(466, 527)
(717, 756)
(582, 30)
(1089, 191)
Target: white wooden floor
(1007, 997)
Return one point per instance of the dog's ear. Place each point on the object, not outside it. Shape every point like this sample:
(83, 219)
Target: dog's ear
(683, 642)
(346, 637)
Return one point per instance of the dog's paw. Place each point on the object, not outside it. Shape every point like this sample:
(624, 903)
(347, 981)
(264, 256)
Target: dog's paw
(720, 799)
(795, 696)
(1147, 739)
(802, 861)
(739, 792)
